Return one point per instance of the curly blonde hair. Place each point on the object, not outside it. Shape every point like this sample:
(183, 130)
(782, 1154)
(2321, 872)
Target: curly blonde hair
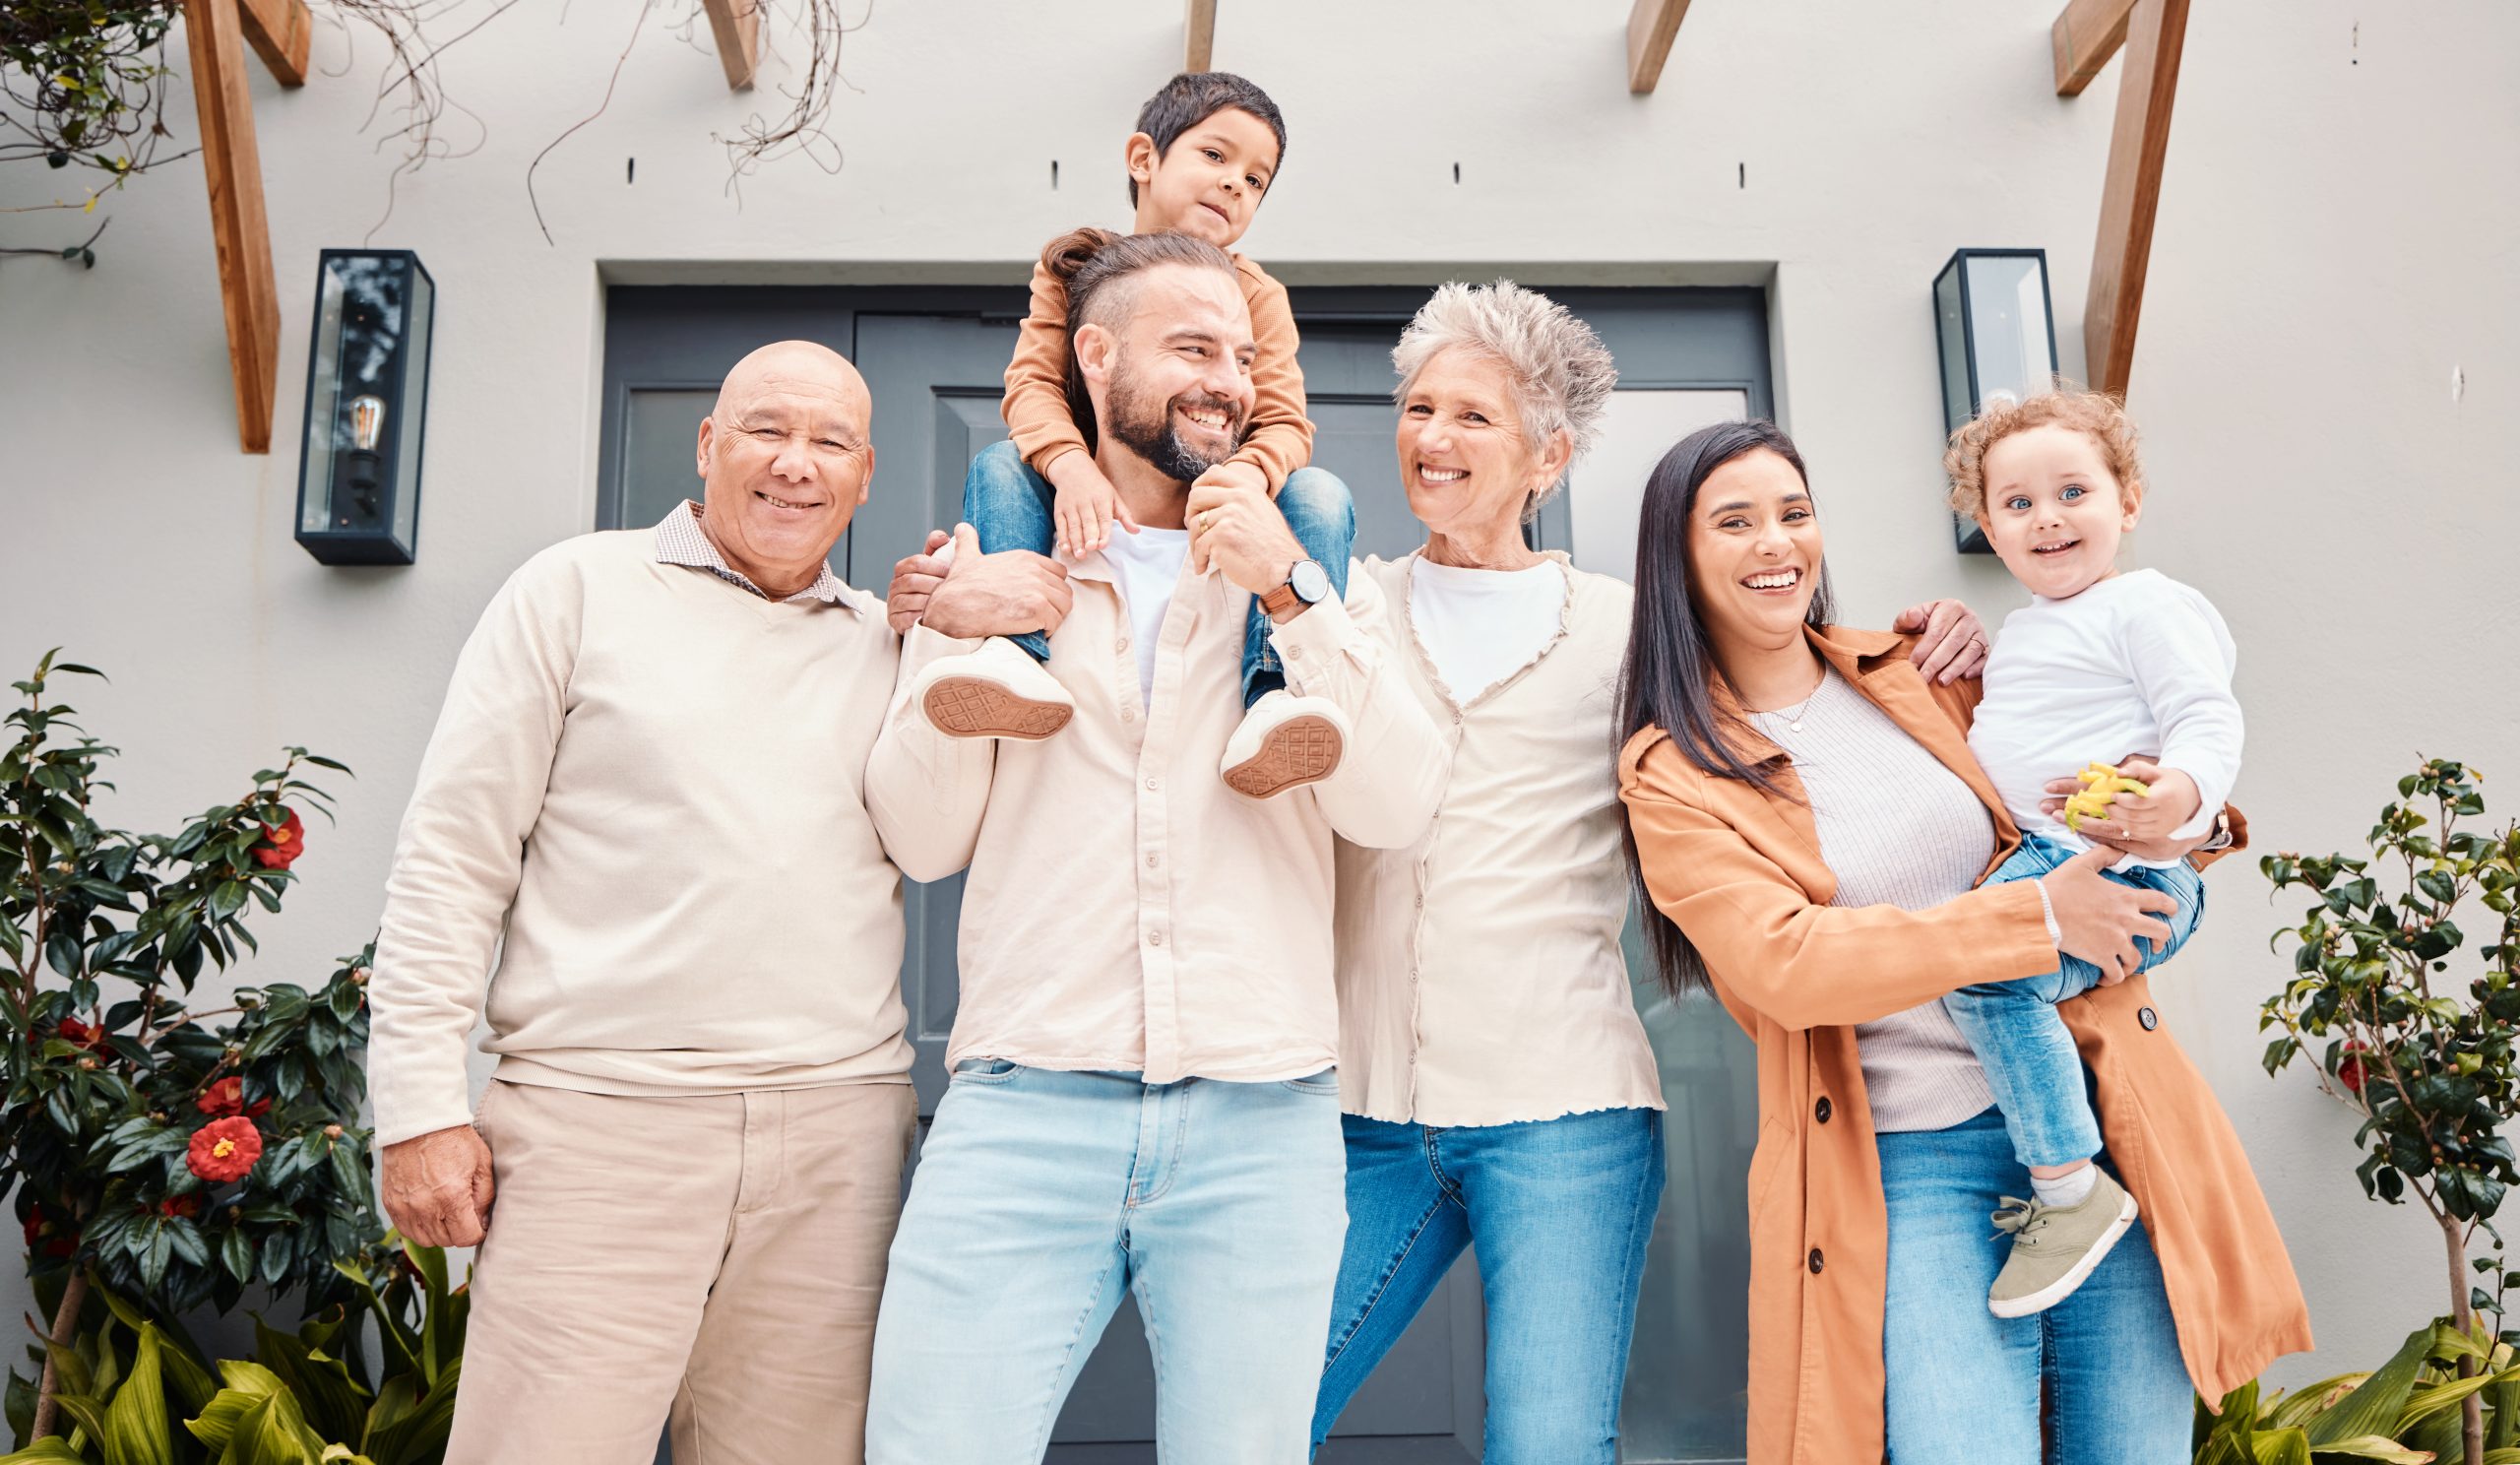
(2096, 413)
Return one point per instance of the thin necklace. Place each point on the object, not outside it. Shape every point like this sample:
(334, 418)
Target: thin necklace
(1793, 718)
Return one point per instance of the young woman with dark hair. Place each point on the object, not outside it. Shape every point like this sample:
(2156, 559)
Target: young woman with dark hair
(1808, 829)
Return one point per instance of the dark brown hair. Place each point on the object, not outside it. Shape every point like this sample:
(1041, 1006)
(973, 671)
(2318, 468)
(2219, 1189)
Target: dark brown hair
(1096, 264)
(1193, 98)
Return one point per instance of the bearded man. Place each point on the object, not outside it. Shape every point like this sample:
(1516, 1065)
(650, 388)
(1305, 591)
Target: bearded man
(1143, 1096)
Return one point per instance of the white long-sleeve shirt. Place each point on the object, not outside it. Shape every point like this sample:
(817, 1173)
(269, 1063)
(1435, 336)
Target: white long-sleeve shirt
(2138, 663)
(1126, 911)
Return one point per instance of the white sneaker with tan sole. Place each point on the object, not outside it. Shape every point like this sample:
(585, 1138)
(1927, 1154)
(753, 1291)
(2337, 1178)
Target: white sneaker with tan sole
(1285, 741)
(996, 692)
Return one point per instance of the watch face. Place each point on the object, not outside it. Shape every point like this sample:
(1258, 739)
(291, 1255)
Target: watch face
(1311, 583)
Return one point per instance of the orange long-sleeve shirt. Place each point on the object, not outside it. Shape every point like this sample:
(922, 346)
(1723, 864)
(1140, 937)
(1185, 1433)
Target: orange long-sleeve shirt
(1280, 436)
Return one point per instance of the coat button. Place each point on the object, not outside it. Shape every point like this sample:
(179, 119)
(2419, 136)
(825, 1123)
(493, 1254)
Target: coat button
(2148, 1018)
(1816, 1263)
(1821, 1110)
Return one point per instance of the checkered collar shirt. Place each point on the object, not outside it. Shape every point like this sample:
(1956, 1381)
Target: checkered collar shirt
(679, 541)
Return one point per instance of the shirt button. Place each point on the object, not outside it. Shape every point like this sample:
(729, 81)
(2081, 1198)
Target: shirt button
(1821, 1110)
(1815, 1261)
(1128, 714)
(1125, 643)
(1155, 783)
(1155, 938)
(2149, 1018)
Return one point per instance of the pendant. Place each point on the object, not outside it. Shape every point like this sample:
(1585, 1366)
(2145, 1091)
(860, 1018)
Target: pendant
(1793, 727)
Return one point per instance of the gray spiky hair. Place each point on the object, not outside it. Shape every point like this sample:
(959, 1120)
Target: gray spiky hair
(1561, 373)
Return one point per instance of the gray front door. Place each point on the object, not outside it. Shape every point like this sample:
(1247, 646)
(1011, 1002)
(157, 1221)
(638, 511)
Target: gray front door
(934, 358)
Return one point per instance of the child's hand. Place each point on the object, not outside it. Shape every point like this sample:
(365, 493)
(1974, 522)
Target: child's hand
(2134, 825)
(1084, 505)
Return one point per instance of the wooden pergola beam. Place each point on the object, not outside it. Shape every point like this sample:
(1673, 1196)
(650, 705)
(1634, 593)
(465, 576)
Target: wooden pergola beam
(1651, 29)
(2155, 33)
(1201, 52)
(278, 31)
(737, 23)
(214, 32)
(2087, 34)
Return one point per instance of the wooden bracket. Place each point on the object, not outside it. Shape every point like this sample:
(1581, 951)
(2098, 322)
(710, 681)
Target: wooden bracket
(1202, 29)
(737, 23)
(2155, 33)
(278, 31)
(1650, 28)
(214, 32)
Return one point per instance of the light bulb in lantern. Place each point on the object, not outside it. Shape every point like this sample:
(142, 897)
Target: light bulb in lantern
(367, 422)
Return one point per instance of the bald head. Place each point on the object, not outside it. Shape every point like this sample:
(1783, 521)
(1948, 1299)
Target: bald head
(785, 459)
(805, 367)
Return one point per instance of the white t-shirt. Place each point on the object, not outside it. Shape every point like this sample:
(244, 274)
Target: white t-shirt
(2137, 663)
(1482, 626)
(1149, 566)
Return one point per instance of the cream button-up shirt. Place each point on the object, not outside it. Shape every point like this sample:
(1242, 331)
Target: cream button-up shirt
(1480, 977)
(1126, 909)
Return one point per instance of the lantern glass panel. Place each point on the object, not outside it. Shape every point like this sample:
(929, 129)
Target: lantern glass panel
(1957, 403)
(355, 425)
(421, 311)
(2008, 326)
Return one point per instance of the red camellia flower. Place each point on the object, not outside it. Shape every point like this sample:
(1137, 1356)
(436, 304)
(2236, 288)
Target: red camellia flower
(73, 1031)
(227, 1097)
(223, 1150)
(64, 1244)
(281, 842)
(180, 1205)
(2349, 1068)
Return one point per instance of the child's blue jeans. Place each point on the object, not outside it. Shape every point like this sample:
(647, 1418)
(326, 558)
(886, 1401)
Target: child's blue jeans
(2030, 1057)
(1009, 505)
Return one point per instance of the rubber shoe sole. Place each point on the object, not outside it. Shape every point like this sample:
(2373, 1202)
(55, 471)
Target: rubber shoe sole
(2064, 1287)
(1297, 751)
(975, 707)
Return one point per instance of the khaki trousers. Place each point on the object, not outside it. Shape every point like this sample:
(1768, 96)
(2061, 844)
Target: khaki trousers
(719, 1256)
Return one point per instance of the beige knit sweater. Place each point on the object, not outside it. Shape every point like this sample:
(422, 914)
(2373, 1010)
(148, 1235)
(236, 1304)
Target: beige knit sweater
(648, 780)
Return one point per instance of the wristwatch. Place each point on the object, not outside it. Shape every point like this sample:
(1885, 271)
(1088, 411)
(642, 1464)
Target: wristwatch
(1306, 583)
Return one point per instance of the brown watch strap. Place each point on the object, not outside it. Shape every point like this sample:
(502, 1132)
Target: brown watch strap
(1283, 597)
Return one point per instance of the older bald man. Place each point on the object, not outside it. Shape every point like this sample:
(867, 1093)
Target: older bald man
(646, 780)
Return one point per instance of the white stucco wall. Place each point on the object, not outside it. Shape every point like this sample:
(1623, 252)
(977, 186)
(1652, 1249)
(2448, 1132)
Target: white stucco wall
(2338, 231)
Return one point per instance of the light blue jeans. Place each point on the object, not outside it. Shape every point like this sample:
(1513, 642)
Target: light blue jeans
(2030, 1058)
(1966, 1386)
(1561, 1211)
(1041, 1195)
(1009, 505)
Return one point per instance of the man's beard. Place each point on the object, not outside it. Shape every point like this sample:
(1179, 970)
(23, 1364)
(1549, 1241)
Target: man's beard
(1145, 427)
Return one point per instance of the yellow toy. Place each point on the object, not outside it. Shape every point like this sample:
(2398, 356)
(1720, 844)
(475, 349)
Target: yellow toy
(2102, 784)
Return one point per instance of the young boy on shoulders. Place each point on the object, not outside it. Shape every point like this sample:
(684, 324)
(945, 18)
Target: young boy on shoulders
(1204, 152)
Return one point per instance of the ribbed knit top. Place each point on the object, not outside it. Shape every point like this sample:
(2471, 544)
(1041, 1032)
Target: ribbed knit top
(1898, 829)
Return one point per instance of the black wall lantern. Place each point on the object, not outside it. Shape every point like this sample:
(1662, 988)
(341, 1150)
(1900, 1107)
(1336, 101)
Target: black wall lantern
(368, 390)
(1999, 339)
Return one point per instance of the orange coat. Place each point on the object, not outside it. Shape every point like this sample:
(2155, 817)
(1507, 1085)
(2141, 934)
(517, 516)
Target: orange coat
(1742, 873)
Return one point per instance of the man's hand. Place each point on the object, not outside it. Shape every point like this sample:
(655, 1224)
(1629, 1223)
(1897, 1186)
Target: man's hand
(1954, 644)
(437, 1188)
(2136, 825)
(1237, 529)
(985, 594)
(915, 579)
(1084, 505)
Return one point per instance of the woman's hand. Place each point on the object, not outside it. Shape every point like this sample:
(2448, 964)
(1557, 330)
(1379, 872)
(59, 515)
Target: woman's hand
(1953, 644)
(2098, 920)
(2136, 825)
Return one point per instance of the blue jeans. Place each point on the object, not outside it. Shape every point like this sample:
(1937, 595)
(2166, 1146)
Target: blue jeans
(1561, 1211)
(1041, 1195)
(1964, 1384)
(2030, 1058)
(1009, 505)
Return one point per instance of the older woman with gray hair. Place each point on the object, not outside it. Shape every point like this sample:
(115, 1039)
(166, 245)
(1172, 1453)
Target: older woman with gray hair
(1498, 1086)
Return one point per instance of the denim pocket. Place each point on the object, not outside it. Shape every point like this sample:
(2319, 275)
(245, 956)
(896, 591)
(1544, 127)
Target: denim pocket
(1324, 1082)
(984, 1070)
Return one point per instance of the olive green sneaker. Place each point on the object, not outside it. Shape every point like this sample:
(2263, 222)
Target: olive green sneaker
(2054, 1248)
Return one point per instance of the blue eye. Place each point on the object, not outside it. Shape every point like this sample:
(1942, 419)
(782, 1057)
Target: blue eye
(2072, 491)
(2017, 503)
